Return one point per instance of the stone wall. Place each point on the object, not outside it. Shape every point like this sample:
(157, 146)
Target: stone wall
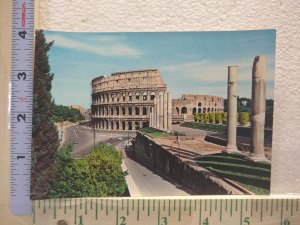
(186, 173)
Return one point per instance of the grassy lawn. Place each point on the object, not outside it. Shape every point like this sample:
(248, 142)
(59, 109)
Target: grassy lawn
(205, 126)
(154, 132)
(254, 176)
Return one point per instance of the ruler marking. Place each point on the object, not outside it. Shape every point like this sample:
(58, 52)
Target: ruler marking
(85, 207)
(256, 207)
(226, 205)
(132, 208)
(216, 205)
(75, 215)
(143, 204)
(236, 204)
(122, 204)
(246, 205)
(70, 202)
(297, 204)
(230, 207)
(205, 205)
(276, 205)
(96, 209)
(117, 213)
(148, 207)
(210, 207)
(200, 212)
(179, 212)
(267, 205)
(127, 207)
(184, 207)
(80, 203)
(261, 209)
(287, 205)
(138, 210)
(39, 202)
(44, 209)
(153, 202)
(271, 207)
(292, 204)
(91, 207)
(195, 205)
(221, 208)
(101, 204)
(106, 207)
(54, 211)
(112, 204)
(164, 205)
(281, 213)
(158, 213)
(169, 213)
(190, 208)
(241, 213)
(174, 202)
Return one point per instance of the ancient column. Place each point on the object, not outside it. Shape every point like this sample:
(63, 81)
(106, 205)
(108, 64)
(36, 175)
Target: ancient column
(154, 111)
(165, 115)
(157, 111)
(258, 109)
(169, 126)
(231, 109)
(161, 116)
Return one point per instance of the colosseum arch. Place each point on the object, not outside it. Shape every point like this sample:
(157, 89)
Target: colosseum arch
(152, 96)
(194, 110)
(137, 96)
(144, 110)
(123, 111)
(184, 110)
(144, 96)
(137, 111)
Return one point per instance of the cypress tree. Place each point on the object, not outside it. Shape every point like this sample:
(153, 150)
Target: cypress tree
(44, 133)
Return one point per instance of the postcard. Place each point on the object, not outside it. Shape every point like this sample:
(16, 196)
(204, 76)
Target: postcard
(148, 114)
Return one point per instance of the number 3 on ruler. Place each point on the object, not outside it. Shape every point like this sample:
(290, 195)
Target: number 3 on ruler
(23, 74)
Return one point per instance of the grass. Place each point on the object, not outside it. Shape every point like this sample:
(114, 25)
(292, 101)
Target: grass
(253, 176)
(155, 133)
(205, 126)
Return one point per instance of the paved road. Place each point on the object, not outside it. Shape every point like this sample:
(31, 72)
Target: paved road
(85, 138)
(141, 181)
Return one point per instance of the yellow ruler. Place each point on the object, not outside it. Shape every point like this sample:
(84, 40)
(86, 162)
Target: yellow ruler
(164, 211)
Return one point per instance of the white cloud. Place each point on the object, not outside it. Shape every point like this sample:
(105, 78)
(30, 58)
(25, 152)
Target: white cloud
(212, 71)
(113, 49)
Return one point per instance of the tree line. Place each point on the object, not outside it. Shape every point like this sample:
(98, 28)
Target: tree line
(64, 113)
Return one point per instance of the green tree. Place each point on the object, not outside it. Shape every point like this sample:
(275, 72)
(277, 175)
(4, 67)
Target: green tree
(218, 117)
(212, 117)
(206, 117)
(44, 134)
(243, 118)
(99, 174)
(224, 117)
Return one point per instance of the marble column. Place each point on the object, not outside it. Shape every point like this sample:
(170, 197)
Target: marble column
(165, 116)
(154, 113)
(157, 111)
(258, 109)
(161, 116)
(169, 109)
(231, 110)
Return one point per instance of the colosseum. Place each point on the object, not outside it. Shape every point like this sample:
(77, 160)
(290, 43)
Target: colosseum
(123, 100)
(184, 108)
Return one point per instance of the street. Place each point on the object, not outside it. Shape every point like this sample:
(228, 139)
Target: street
(141, 181)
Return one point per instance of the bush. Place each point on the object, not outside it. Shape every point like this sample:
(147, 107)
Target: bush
(212, 117)
(99, 174)
(198, 117)
(243, 118)
(206, 118)
(218, 117)
(224, 117)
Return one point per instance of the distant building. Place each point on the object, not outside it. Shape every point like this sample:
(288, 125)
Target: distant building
(184, 108)
(80, 108)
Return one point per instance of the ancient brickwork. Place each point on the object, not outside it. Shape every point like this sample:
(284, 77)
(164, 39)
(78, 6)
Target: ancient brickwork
(185, 107)
(122, 101)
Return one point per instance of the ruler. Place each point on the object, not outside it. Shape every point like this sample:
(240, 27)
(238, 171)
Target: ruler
(21, 104)
(185, 211)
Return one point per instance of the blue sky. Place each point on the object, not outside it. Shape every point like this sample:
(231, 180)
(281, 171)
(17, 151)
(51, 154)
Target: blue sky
(189, 62)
